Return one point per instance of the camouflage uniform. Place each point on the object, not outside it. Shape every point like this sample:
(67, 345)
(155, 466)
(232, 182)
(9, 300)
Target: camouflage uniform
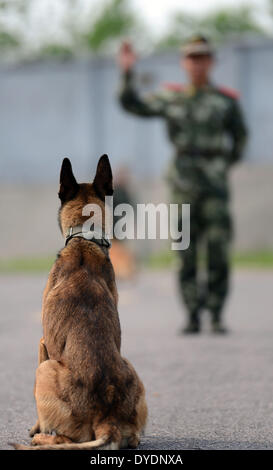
(208, 132)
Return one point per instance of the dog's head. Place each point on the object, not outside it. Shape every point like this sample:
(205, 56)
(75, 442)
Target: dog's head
(75, 196)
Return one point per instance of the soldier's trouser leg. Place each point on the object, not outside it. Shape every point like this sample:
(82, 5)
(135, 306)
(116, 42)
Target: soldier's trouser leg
(218, 237)
(218, 277)
(188, 273)
(188, 281)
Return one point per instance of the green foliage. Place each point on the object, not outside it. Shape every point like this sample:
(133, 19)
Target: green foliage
(8, 41)
(57, 51)
(114, 21)
(228, 22)
(218, 26)
(111, 20)
(19, 6)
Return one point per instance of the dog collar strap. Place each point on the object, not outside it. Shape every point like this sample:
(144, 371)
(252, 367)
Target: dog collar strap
(96, 236)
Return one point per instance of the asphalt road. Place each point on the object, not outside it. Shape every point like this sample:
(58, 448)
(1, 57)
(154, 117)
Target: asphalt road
(203, 392)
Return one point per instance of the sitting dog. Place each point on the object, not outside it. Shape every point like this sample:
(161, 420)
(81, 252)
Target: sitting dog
(85, 391)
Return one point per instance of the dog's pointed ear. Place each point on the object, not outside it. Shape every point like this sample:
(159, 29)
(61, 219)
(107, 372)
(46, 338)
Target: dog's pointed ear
(103, 181)
(68, 184)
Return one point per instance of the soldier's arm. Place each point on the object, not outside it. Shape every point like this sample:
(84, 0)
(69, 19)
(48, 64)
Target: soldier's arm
(130, 99)
(238, 131)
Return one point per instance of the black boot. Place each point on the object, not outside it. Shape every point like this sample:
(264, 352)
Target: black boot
(193, 325)
(217, 326)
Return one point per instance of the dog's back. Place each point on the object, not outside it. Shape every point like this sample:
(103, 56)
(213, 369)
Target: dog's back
(80, 318)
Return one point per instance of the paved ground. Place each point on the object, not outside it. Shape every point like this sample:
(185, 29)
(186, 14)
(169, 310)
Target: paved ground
(203, 392)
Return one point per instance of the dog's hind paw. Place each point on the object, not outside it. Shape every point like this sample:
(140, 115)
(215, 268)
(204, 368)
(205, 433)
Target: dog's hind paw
(42, 439)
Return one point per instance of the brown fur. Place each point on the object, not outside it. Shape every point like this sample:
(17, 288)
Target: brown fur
(85, 391)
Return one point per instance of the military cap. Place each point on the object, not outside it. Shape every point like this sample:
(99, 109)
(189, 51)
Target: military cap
(198, 45)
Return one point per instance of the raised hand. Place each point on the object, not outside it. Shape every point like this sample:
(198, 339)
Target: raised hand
(126, 57)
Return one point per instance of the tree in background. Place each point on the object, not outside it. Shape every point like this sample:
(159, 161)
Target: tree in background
(10, 37)
(219, 25)
(226, 23)
(98, 25)
(93, 26)
(114, 21)
(105, 23)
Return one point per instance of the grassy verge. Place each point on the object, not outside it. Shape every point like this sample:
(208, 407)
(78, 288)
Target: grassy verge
(161, 260)
(252, 260)
(263, 259)
(26, 264)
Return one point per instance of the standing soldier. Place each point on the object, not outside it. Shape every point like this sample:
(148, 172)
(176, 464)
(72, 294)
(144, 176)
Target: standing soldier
(206, 127)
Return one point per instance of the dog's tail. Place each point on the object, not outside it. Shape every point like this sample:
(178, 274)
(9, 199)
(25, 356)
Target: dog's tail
(108, 438)
(103, 443)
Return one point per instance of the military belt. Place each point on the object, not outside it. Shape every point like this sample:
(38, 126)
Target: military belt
(195, 152)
